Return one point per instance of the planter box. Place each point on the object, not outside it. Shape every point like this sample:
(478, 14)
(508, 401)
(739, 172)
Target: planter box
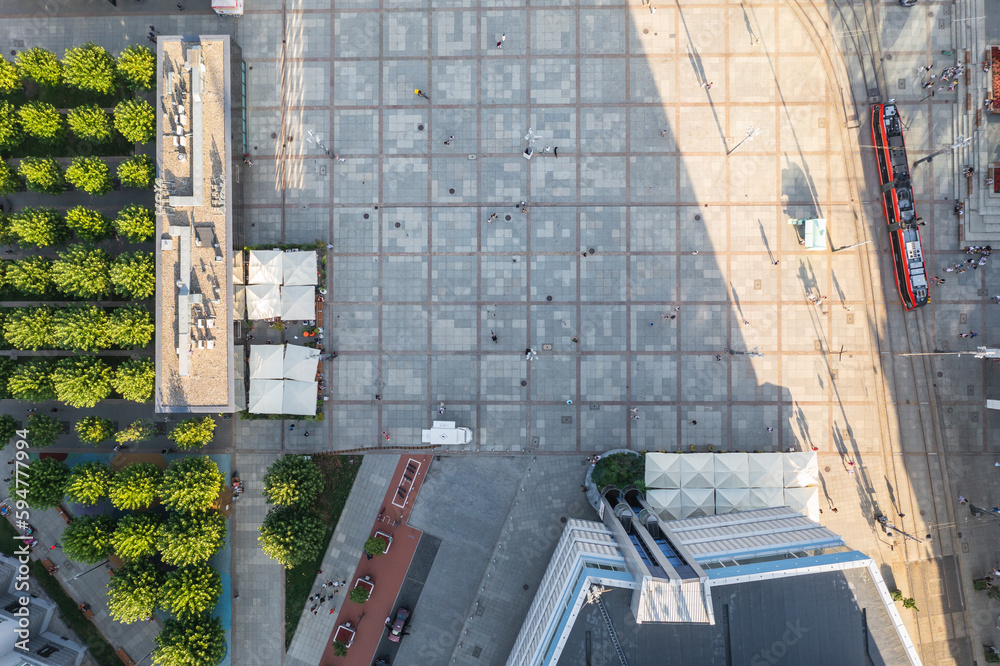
(387, 539)
(995, 77)
(367, 583)
(345, 634)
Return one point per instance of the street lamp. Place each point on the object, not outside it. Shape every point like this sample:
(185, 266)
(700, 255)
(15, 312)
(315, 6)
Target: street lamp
(960, 142)
(751, 133)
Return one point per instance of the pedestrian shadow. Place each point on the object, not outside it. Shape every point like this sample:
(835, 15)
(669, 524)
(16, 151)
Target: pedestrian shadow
(699, 69)
(736, 299)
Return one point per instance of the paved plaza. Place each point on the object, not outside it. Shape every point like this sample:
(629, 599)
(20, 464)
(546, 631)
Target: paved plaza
(668, 197)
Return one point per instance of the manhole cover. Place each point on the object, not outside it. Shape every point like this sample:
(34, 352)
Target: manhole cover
(940, 374)
(561, 520)
(888, 56)
(477, 650)
(548, 298)
(826, 469)
(546, 347)
(697, 218)
(19, 43)
(645, 31)
(420, 127)
(507, 218)
(591, 250)
(274, 135)
(567, 420)
(524, 382)
(366, 216)
(397, 225)
(525, 586)
(451, 191)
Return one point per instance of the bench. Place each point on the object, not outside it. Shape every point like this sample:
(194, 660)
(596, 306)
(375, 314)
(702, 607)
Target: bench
(87, 611)
(121, 654)
(51, 568)
(65, 516)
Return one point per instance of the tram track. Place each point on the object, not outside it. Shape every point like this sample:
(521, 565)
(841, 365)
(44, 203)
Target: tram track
(914, 326)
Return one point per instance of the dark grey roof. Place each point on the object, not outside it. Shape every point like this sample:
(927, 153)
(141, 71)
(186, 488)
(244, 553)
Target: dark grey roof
(812, 619)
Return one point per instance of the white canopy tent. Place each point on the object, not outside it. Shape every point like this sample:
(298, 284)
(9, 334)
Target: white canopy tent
(663, 470)
(697, 502)
(697, 470)
(666, 502)
(764, 498)
(766, 470)
(300, 363)
(801, 469)
(265, 267)
(299, 398)
(298, 268)
(266, 396)
(298, 303)
(732, 470)
(263, 301)
(265, 362)
(728, 500)
(803, 500)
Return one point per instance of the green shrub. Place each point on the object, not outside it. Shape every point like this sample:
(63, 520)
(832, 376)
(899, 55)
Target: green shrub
(133, 275)
(83, 272)
(30, 276)
(621, 470)
(32, 381)
(375, 545)
(138, 171)
(291, 535)
(81, 381)
(8, 428)
(88, 224)
(10, 76)
(38, 226)
(9, 180)
(80, 328)
(137, 67)
(130, 327)
(11, 132)
(358, 595)
(42, 174)
(90, 174)
(90, 67)
(43, 430)
(41, 66)
(90, 123)
(135, 380)
(94, 430)
(42, 121)
(292, 480)
(136, 223)
(135, 120)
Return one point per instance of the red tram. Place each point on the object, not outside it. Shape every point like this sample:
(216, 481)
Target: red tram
(897, 205)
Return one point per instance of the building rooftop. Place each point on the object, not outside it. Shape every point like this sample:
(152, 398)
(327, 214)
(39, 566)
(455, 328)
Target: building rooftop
(194, 345)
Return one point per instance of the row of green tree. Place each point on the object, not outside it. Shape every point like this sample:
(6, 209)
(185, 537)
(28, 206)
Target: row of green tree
(83, 272)
(88, 67)
(78, 381)
(133, 119)
(45, 227)
(89, 174)
(43, 430)
(292, 532)
(76, 327)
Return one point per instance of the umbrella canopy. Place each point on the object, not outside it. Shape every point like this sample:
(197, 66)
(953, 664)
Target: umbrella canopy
(728, 500)
(666, 502)
(765, 498)
(298, 268)
(265, 267)
(300, 363)
(298, 303)
(697, 502)
(801, 469)
(663, 470)
(766, 470)
(265, 396)
(299, 398)
(697, 470)
(732, 470)
(803, 500)
(265, 362)
(263, 301)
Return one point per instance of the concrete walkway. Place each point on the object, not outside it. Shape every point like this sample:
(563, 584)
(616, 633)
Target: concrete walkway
(313, 633)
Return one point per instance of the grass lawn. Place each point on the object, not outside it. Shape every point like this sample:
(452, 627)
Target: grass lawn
(339, 473)
(102, 651)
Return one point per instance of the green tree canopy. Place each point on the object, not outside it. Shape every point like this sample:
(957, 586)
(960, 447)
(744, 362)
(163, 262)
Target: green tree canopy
(90, 174)
(32, 381)
(292, 480)
(193, 433)
(135, 120)
(42, 174)
(10, 76)
(136, 223)
(82, 271)
(135, 486)
(28, 328)
(138, 431)
(43, 430)
(291, 535)
(137, 171)
(38, 226)
(196, 641)
(191, 538)
(90, 67)
(82, 381)
(10, 182)
(47, 483)
(7, 366)
(88, 224)
(90, 123)
(11, 132)
(88, 482)
(135, 379)
(130, 327)
(375, 545)
(42, 121)
(191, 590)
(191, 483)
(41, 66)
(94, 429)
(137, 67)
(134, 275)
(133, 592)
(88, 538)
(136, 535)
(79, 328)
(8, 428)
(30, 275)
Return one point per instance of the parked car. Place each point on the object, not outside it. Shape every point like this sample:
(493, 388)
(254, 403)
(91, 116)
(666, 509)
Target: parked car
(396, 633)
(381, 661)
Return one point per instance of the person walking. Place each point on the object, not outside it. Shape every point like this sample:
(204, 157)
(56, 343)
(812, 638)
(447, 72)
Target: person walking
(707, 85)
(503, 38)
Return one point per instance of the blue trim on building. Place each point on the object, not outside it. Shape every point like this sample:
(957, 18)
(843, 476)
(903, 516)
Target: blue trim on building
(789, 564)
(764, 551)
